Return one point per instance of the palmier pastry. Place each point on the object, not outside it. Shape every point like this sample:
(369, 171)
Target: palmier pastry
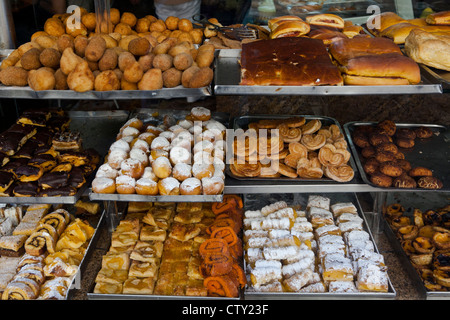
(309, 169)
(313, 142)
(420, 172)
(429, 183)
(287, 171)
(295, 122)
(381, 180)
(245, 169)
(289, 134)
(298, 149)
(390, 168)
(311, 126)
(342, 173)
(329, 155)
(423, 132)
(405, 143)
(404, 181)
(388, 127)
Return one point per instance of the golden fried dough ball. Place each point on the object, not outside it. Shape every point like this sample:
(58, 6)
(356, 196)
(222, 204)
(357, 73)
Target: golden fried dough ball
(182, 61)
(89, 21)
(118, 73)
(171, 77)
(125, 85)
(41, 79)
(116, 36)
(65, 41)
(197, 35)
(95, 49)
(30, 59)
(80, 43)
(201, 78)
(60, 80)
(54, 27)
(175, 33)
(185, 36)
(185, 25)
(123, 43)
(163, 61)
(125, 59)
(151, 80)
(151, 39)
(106, 27)
(69, 60)
(172, 22)
(123, 28)
(50, 58)
(146, 61)
(38, 34)
(142, 25)
(158, 26)
(106, 81)
(128, 18)
(14, 76)
(46, 41)
(205, 55)
(164, 46)
(180, 47)
(114, 14)
(139, 46)
(27, 46)
(93, 65)
(81, 79)
(151, 18)
(75, 29)
(110, 41)
(109, 60)
(133, 72)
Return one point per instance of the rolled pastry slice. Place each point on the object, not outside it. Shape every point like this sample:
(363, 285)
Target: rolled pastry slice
(56, 220)
(326, 20)
(38, 242)
(221, 286)
(18, 291)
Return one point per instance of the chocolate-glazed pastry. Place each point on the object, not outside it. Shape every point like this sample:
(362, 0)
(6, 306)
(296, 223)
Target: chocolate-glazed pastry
(6, 179)
(67, 140)
(43, 136)
(34, 119)
(28, 173)
(10, 142)
(27, 130)
(12, 165)
(27, 150)
(77, 159)
(63, 167)
(3, 159)
(65, 191)
(76, 178)
(53, 180)
(26, 189)
(58, 123)
(45, 161)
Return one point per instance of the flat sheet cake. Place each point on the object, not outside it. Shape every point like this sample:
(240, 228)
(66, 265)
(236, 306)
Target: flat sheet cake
(290, 61)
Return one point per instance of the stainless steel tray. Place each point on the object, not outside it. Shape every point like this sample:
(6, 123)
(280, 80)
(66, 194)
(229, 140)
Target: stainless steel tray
(422, 201)
(433, 153)
(227, 77)
(165, 93)
(441, 76)
(242, 123)
(256, 202)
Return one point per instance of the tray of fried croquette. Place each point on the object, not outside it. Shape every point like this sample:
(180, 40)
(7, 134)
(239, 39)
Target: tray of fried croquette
(311, 246)
(300, 148)
(401, 156)
(416, 224)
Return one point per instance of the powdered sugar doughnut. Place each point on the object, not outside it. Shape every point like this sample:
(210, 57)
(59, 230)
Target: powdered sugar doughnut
(203, 157)
(147, 137)
(213, 185)
(181, 171)
(185, 123)
(125, 184)
(220, 174)
(212, 135)
(149, 174)
(103, 185)
(179, 154)
(132, 167)
(203, 145)
(160, 143)
(220, 144)
(214, 125)
(141, 144)
(130, 131)
(162, 167)
(180, 141)
(133, 122)
(200, 113)
(155, 130)
(219, 154)
(219, 165)
(169, 135)
(106, 171)
(196, 130)
(116, 156)
(202, 170)
(146, 186)
(191, 186)
(156, 153)
(176, 129)
(169, 186)
(120, 144)
(128, 139)
(140, 155)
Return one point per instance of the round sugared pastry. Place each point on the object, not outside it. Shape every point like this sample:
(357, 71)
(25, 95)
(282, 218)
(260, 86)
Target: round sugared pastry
(140, 155)
(202, 170)
(125, 184)
(182, 171)
(149, 174)
(103, 185)
(147, 137)
(146, 186)
(116, 157)
(106, 171)
(156, 153)
(186, 124)
(160, 143)
(191, 186)
(179, 154)
(162, 167)
(134, 122)
(155, 130)
(141, 144)
(204, 145)
(213, 185)
(169, 186)
(200, 114)
(130, 131)
(181, 141)
(203, 157)
(169, 135)
(120, 144)
(132, 167)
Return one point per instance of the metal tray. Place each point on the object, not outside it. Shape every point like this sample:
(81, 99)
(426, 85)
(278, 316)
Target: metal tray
(410, 201)
(256, 202)
(103, 125)
(155, 116)
(433, 153)
(227, 77)
(165, 93)
(441, 76)
(242, 123)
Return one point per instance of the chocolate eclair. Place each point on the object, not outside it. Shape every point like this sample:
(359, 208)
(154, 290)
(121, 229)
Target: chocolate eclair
(26, 189)
(27, 150)
(10, 142)
(46, 161)
(76, 178)
(3, 159)
(53, 180)
(28, 173)
(6, 179)
(13, 164)
(27, 130)
(65, 191)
